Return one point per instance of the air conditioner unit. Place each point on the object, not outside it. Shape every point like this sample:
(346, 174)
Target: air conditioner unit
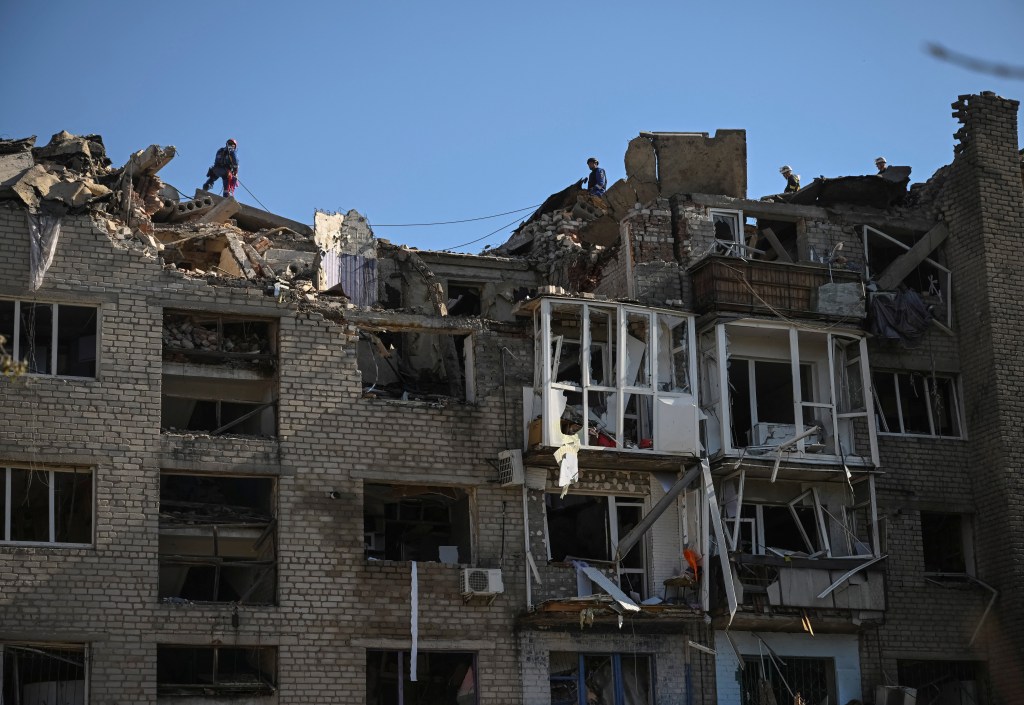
(895, 695)
(510, 468)
(482, 581)
(771, 434)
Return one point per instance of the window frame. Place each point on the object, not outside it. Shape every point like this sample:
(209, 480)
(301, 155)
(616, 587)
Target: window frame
(404, 656)
(953, 382)
(5, 489)
(44, 647)
(966, 545)
(619, 697)
(370, 538)
(14, 345)
(612, 521)
(268, 536)
(202, 689)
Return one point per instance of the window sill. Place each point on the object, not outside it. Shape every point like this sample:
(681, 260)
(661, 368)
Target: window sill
(387, 562)
(919, 436)
(8, 546)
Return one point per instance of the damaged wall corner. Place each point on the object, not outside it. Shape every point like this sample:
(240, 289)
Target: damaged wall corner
(697, 163)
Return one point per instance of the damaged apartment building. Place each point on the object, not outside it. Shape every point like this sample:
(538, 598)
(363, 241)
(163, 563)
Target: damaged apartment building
(671, 445)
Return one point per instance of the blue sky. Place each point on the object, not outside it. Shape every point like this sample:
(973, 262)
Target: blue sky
(414, 112)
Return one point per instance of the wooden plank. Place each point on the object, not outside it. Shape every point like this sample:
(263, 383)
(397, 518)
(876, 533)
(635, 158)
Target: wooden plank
(912, 258)
(776, 244)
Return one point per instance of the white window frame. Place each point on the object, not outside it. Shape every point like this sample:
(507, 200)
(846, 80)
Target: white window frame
(613, 502)
(5, 530)
(716, 378)
(954, 385)
(14, 346)
(548, 347)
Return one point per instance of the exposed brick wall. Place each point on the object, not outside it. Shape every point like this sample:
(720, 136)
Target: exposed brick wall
(984, 207)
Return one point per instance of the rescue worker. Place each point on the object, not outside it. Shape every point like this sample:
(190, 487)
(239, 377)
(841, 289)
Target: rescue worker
(597, 182)
(225, 168)
(880, 164)
(792, 180)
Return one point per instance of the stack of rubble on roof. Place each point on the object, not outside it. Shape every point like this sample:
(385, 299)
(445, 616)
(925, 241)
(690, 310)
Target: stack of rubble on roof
(208, 236)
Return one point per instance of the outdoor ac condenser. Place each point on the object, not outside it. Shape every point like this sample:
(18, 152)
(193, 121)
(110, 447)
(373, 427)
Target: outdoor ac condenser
(482, 581)
(510, 468)
(895, 695)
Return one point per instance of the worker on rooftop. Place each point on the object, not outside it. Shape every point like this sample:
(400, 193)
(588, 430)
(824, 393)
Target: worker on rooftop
(792, 180)
(225, 168)
(881, 164)
(597, 182)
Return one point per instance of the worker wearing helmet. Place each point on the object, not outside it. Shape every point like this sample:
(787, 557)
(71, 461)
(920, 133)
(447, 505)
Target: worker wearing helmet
(792, 180)
(880, 164)
(225, 168)
(598, 180)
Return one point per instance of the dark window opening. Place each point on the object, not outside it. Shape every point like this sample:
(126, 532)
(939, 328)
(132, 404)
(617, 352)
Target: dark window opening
(217, 539)
(785, 232)
(942, 538)
(46, 506)
(758, 410)
(417, 523)
(578, 527)
(464, 299)
(782, 532)
(416, 365)
(34, 673)
(766, 680)
(945, 682)
(916, 403)
(442, 677)
(29, 331)
(219, 375)
(588, 527)
(214, 671)
(600, 679)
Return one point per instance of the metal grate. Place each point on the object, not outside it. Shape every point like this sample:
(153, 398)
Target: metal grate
(510, 467)
(788, 681)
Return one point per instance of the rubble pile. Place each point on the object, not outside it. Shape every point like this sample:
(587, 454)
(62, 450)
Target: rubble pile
(182, 334)
(68, 173)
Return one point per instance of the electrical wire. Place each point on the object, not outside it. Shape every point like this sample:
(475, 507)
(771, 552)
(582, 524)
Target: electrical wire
(450, 222)
(252, 194)
(493, 232)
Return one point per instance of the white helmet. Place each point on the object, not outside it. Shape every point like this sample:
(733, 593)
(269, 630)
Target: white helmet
(783, 169)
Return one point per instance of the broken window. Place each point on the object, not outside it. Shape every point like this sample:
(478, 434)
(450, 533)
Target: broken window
(772, 385)
(600, 679)
(762, 401)
(588, 527)
(917, 403)
(219, 374)
(464, 298)
(769, 678)
(215, 671)
(53, 339)
(416, 365)
(441, 677)
(945, 682)
(947, 543)
(217, 539)
(928, 278)
(766, 526)
(46, 506)
(615, 376)
(417, 523)
(43, 673)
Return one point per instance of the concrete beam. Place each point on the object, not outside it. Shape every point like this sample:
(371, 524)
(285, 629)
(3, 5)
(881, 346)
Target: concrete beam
(221, 212)
(776, 245)
(254, 219)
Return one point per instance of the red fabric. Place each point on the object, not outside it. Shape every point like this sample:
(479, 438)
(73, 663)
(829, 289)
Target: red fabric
(232, 184)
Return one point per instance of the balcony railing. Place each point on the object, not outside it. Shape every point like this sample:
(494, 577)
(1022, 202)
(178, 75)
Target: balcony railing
(722, 283)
